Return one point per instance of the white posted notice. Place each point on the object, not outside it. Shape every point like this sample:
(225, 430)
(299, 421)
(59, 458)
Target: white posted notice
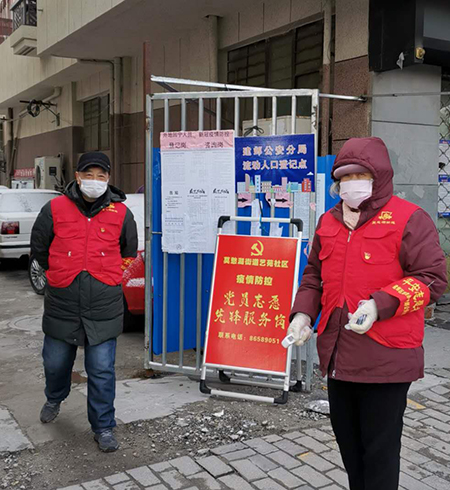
(302, 209)
(198, 186)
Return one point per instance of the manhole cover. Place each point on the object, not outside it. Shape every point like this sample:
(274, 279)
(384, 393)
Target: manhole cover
(28, 323)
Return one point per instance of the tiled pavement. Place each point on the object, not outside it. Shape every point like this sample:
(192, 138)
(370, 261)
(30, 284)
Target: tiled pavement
(306, 459)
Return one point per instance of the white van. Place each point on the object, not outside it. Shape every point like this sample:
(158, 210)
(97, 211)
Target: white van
(19, 209)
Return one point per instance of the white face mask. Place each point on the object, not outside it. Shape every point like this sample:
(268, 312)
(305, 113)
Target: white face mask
(354, 192)
(93, 188)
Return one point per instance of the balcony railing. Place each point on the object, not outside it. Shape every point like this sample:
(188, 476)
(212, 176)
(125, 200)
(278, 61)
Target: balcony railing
(24, 13)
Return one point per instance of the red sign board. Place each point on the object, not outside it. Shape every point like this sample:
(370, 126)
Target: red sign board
(251, 302)
(24, 173)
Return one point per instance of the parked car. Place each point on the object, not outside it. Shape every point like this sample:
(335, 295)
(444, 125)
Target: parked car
(133, 282)
(18, 212)
(133, 277)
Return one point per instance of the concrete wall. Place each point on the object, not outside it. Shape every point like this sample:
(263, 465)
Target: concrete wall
(256, 18)
(410, 128)
(95, 85)
(46, 121)
(185, 52)
(352, 29)
(19, 73)
(59, 18)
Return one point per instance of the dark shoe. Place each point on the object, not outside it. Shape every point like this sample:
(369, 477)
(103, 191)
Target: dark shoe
(106, 441)
(49, 412)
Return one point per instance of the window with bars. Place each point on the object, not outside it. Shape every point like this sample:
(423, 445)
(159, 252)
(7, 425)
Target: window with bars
(96, 124)
(292, 60)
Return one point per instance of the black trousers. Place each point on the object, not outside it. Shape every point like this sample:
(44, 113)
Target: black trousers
(367, 419)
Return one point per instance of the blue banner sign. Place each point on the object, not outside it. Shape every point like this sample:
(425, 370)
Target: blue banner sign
(275, 164)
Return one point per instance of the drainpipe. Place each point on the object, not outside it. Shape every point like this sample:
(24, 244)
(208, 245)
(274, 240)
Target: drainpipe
(326, 77)
(9, 166)
(15, 144)
(118, 111)
(3, 145)
(213, 54)
(213, 45)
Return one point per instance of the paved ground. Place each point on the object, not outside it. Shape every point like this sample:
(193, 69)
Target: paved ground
(180, 439)
(303, 459)
(22, 377)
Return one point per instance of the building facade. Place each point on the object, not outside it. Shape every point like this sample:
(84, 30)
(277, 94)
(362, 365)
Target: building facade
(90, 61)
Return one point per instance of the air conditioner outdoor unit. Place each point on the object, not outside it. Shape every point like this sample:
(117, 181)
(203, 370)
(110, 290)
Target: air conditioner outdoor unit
(302, 125)
(48, 172)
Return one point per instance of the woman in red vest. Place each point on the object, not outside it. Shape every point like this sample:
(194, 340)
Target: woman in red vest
(375, 264)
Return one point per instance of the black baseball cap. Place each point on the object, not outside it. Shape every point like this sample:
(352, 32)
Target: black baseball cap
(94, 159)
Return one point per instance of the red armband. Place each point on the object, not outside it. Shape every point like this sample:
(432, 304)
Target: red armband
(126, 262)
(412, 294)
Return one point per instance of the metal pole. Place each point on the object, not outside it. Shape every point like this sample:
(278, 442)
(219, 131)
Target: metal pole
(148, 231)
(198, 360)
(198, 83)
(274, 115)
(298, 350)
(255, 133)
(326, 74)
(237, 125)
(315, 128)
(293, 113)
(312, 225)
(181, 331)
(255, 115)
(350, 98)
(236, 117)
(165, 283)
(198, 341)
(225, 86)
(166, 115)
(165, 260)
(183, 115)
(273, 132)
(219, 113)
(182, 263)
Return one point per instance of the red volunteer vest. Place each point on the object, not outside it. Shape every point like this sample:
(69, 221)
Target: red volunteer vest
(85, 244)
(357, 263)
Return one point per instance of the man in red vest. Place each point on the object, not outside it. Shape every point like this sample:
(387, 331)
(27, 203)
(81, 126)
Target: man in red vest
(375, 264)
(82, 239)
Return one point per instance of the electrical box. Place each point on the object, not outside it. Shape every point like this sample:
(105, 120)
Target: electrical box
(302, 125)
(48, 172)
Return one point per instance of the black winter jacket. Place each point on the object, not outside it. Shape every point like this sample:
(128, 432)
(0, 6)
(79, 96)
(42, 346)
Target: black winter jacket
(87, 310)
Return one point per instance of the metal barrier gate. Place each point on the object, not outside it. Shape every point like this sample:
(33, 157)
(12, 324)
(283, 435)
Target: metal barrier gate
(444, 168)
(180, 363)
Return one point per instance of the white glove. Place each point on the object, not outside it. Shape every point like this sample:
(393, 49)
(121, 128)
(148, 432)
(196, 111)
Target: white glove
(300, 328)
(364, 317)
